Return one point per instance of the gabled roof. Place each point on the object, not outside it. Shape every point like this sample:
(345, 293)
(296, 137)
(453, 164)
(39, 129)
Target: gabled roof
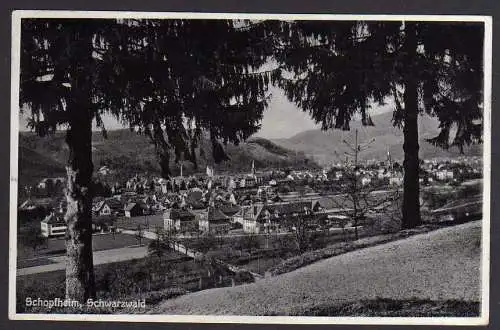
(197, 205)
(288, 208)
(28, 204)
(41, 202)
(276, 198)
(215, 215)
(178, 214)
(246, 212)
(194, 195)
(130, 206)
(325, 203)
(97, 206)
(97, 199)
(113, 203)
(54, 219)
(230, 209)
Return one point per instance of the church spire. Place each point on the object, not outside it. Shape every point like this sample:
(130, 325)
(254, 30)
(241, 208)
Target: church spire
(389, 159)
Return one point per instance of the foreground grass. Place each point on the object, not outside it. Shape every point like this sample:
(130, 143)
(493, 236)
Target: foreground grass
(339, 248)
(151, 280)
(438, 266)
(396, 308)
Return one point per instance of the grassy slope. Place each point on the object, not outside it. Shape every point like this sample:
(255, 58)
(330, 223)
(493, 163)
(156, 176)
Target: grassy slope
(441, 265)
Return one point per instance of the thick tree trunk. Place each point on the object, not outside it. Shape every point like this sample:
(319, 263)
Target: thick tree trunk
(80, 281)
(411, 203)
(162, 150)
(80, 284)
(164, 161)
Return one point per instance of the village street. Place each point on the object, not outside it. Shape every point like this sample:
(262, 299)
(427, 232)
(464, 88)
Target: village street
(100, 257)
(443, 264)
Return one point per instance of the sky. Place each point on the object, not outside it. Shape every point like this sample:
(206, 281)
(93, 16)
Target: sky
(282, 119)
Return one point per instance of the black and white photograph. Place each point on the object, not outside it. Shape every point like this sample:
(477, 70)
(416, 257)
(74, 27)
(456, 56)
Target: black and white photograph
(253, 168)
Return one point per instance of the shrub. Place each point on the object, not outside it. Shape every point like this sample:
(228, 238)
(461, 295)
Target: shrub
(310, 257)
(54, 288)
(154, 297)
(396, 308)
(243, 277)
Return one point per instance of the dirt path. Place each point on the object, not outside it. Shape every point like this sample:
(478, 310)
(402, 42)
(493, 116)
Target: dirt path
(444, 264)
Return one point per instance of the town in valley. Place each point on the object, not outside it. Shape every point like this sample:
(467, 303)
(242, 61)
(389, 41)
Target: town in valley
(224, 229)
(245, 166)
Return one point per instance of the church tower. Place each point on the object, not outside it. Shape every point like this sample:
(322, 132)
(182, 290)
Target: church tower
(389, 159)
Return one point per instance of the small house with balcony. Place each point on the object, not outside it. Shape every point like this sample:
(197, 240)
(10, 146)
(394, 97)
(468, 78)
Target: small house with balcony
(53, 225)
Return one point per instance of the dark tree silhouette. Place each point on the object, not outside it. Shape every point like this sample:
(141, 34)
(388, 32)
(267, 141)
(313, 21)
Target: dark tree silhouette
(163, 77)
(175, 79)
(32, 237)
(139, 234)
(62, 85)
(334, 70)
(200, 78)
(159, 245)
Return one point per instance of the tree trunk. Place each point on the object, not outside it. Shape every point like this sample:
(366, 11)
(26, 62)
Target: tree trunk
(80, 281)
(411, 203)
(164, 161)
(162, 150)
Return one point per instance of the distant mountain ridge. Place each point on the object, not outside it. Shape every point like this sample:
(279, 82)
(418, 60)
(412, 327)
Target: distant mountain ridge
(130, 153)
(328, 147)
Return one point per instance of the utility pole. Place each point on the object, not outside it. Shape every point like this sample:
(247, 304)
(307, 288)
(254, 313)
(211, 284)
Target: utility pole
(356, 149)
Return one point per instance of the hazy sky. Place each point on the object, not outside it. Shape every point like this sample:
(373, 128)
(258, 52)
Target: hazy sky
(282, 119)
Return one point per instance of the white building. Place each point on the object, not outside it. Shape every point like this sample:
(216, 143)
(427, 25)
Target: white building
(104, 170)
(444, 175)
(53, 225)
(366, 180)
(396, 180)
(214, 220)
(179, 219)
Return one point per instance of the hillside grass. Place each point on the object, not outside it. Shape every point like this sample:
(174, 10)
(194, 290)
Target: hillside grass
(342, 247)
(383, 307)
(441, 265)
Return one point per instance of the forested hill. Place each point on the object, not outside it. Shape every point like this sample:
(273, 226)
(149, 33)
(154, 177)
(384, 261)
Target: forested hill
(326, 148)
(130, 153)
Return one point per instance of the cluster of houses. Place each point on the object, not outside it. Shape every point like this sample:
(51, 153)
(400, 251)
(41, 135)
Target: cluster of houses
(431, 171)
(213, 219)
(252, 202)
(454, 170)
(256, 218)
